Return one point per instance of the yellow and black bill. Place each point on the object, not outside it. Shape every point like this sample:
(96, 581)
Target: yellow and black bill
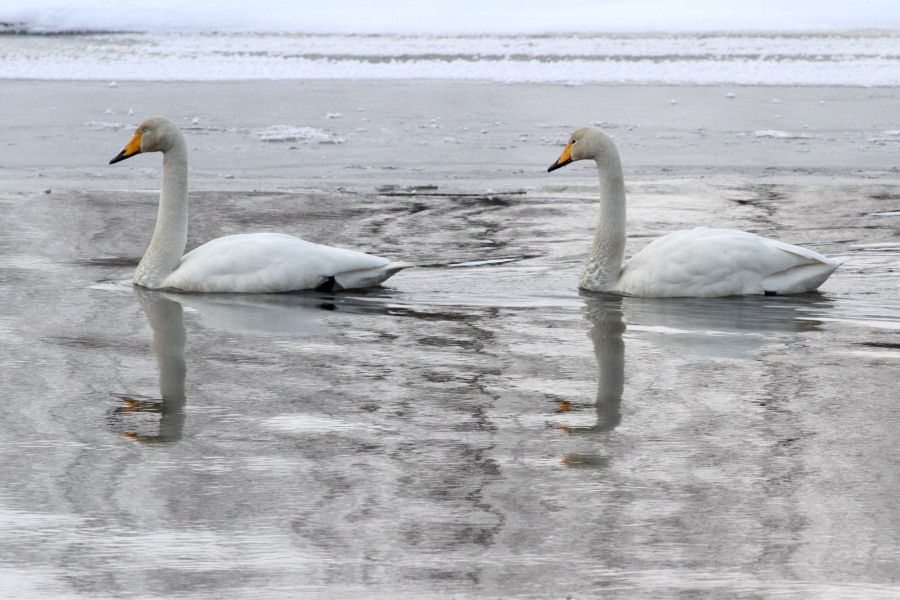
(564, 158)
(131, 148)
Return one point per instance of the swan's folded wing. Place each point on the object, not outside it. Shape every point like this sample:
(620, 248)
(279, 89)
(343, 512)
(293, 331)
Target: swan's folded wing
(808, 256)
(722, 262)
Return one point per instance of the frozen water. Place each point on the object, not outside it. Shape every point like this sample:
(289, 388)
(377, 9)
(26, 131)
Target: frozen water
(848, 58)
(292, 133)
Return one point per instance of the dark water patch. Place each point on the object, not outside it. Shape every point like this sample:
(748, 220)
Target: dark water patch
(91, 343)
(432, 191)
(762, 196)
(880, 250)
(890, 345)
(110, 262)
(486, 262)
(891, 196)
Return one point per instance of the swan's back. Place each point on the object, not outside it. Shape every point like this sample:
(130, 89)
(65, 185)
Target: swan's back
(706, 262)
(261, 263)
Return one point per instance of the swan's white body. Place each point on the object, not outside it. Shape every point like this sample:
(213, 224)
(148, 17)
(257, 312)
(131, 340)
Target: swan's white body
(274, 262)
(256, 263)
(698, 262)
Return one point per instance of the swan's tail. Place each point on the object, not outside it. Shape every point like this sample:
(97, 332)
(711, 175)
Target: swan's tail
(803, 278)
(364, 278)
(806, 275)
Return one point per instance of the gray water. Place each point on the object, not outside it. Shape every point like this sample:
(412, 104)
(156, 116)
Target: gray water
(476, 428)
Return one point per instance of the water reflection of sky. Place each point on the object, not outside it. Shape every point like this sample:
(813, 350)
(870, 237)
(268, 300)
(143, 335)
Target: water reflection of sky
(478, 431)
(690, 328)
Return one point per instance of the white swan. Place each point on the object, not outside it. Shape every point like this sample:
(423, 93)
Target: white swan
(256, 263)
(698, 262)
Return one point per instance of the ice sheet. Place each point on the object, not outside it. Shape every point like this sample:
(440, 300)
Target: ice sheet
(848, 58)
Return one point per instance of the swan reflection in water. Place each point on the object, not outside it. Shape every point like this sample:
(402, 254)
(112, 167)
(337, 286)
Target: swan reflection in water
(604, 313)
(293, 315)
(691, 328)
(169, 338)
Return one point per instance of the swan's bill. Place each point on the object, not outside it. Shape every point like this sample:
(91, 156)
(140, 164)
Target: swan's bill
(131, 148)
(564, 158)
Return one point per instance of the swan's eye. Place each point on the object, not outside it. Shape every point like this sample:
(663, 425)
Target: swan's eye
(573, 141)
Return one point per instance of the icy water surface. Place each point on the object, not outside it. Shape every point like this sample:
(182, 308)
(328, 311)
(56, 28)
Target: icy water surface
(475, 429)
(867, 58)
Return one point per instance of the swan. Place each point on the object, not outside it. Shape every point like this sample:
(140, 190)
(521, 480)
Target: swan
(699, 262)
(254, 263)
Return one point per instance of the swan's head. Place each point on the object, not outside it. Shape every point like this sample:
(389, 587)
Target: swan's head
(587, 142)
(156, 134)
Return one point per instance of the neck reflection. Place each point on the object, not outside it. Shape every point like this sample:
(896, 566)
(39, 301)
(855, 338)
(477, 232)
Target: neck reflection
(169, 338)
(604, 313)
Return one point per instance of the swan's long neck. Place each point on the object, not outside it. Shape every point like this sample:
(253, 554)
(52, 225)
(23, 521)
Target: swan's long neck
(170, 235)
(604, 263)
